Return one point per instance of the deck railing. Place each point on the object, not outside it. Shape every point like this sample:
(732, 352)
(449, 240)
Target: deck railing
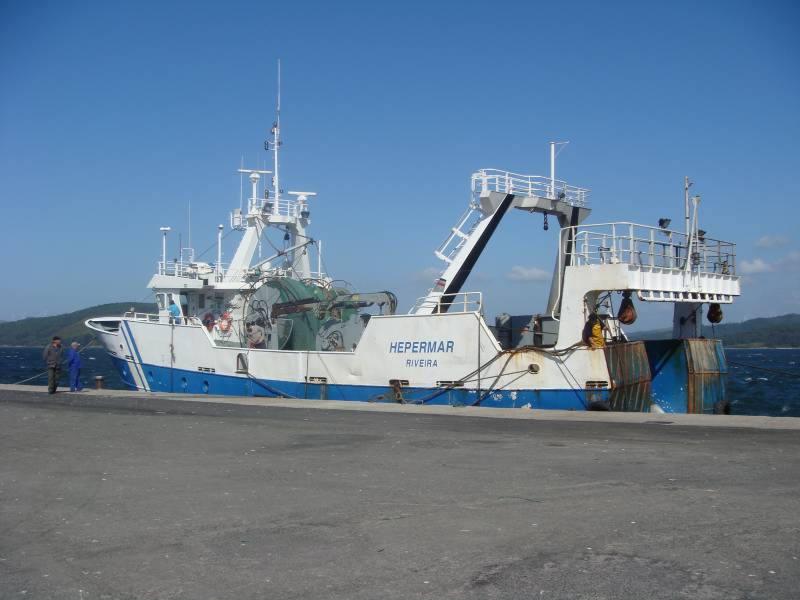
(643, 245)
(461, 302)
(495, 180)
(285, 207)
(162, 318)
(192, 270)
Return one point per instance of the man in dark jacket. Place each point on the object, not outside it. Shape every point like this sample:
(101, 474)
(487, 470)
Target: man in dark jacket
(53, 356)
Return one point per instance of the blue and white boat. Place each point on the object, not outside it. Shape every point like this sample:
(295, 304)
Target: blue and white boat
(282, 327)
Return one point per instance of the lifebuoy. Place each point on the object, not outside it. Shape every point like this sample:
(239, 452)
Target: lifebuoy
(208, 320)
(224, 322)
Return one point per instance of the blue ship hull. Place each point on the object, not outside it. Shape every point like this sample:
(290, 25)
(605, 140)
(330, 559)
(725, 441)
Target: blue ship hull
(165, 379)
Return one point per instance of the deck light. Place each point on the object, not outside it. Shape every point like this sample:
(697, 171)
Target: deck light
(664, 223)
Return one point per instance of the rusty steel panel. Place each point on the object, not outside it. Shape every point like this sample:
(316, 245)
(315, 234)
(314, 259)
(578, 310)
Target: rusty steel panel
(706, 367)
(630, 377)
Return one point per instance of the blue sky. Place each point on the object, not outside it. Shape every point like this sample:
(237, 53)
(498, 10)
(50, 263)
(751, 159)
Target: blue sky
(114, 116)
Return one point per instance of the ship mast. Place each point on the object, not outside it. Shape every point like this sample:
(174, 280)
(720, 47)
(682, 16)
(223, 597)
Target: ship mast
(276, 144)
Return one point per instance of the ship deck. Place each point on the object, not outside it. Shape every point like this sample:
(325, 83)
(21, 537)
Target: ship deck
(126, 494)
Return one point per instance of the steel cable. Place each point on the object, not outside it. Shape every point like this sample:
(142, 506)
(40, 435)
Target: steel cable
(91, 341)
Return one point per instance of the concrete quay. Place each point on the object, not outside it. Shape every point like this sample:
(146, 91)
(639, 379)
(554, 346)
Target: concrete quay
(108, 494)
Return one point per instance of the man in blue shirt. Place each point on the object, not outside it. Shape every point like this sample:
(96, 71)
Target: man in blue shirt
(174, 313)
(74, 363)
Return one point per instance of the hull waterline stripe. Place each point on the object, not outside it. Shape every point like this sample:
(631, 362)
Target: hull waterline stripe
(132, 367)
(129, 352)
(138, 365)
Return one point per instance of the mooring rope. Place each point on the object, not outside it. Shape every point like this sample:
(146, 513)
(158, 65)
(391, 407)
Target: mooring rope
(45, 371)
(776, 371)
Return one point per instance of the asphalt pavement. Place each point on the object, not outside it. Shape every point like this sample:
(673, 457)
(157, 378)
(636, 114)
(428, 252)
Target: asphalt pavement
(105, 496)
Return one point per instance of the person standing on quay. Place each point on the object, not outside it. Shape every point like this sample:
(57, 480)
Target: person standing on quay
(74, 363)
(53, 356)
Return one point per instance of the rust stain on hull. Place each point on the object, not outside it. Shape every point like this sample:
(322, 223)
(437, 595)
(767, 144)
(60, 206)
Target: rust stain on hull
(631, 381)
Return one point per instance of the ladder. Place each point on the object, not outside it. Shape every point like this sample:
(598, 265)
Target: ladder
(457, 238)
(461, 250)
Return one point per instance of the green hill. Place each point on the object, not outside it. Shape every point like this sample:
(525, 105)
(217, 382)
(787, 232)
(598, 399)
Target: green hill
(774, 332)
(38, 331)
(765, 332)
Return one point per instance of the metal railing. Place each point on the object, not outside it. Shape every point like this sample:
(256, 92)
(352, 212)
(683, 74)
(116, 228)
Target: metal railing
(285, 207)
(643, 245)
(469, 221)
(495, 180)
(459, 303)
(159, 318)
(191, 270)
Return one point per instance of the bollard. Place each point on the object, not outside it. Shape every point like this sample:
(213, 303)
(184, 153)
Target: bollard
(98, 382)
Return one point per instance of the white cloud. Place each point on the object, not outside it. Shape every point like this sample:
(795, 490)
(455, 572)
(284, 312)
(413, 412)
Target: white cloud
(771, 241)
(527, 274)
(792, 257)
(789, 264)
(751, 267)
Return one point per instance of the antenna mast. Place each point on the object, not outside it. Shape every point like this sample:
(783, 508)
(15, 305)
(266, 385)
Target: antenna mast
(553, 154)
(276, 140)
(191, 250)
(241, 183)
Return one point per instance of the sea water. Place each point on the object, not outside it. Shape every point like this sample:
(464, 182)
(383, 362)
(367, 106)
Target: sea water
(760, 381)
(19, 364)
(764, 381)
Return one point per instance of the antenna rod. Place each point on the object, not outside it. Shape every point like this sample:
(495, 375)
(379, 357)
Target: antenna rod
(241, 182)
(686, 185)
(191, 253)
(219, 251)
(553, 155)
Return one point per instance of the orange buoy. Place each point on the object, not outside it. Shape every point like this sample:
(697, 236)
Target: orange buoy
(224, 322)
